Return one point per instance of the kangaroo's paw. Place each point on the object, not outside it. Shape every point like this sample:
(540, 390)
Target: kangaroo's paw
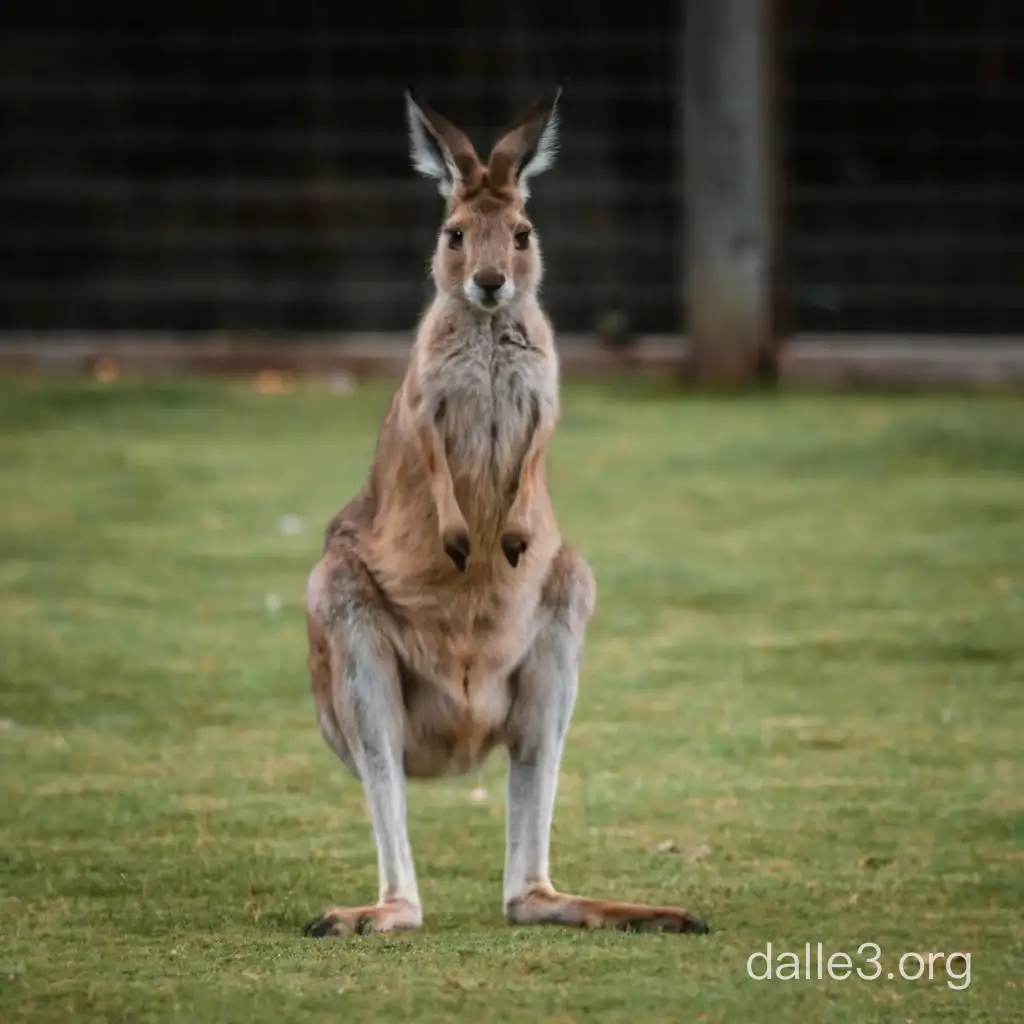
(457, 546)
(513, 546)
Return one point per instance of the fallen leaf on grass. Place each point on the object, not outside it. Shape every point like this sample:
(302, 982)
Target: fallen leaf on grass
(106, 369)
(271, 382)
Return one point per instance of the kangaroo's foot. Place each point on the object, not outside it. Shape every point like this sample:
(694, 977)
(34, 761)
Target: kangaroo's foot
(545, 906)
(392, 915)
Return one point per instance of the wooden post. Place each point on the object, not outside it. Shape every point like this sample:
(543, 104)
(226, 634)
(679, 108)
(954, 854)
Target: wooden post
(730, 156)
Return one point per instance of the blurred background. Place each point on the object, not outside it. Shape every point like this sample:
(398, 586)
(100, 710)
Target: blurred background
(187, 168)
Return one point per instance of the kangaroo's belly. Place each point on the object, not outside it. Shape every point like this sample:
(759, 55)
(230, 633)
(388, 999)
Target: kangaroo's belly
(449, 735)
(456, 668)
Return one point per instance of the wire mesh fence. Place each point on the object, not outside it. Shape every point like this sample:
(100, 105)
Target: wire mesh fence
(905, 165)
(180, 167)
(184, 171)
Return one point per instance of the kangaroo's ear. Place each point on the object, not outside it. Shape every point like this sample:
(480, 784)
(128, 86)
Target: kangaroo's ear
(439, 150)
(529, 145)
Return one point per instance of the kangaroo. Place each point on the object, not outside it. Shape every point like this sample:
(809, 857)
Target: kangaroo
(446, 615)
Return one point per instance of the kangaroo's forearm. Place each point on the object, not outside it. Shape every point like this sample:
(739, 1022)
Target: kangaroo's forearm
(439, 475)
(529, 469)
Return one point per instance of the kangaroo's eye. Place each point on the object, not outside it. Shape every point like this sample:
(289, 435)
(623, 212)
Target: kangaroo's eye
(454, 238)
(522, 238)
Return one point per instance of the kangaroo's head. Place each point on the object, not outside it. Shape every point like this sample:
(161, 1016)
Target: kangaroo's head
(487, 253)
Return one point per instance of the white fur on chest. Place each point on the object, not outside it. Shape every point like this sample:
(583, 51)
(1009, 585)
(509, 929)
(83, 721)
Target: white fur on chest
(489, 391)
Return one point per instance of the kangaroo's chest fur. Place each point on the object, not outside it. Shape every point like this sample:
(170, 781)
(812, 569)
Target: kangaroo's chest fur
(486, 390)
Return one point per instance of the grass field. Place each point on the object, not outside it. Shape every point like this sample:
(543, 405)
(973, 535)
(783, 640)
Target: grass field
(806, 671)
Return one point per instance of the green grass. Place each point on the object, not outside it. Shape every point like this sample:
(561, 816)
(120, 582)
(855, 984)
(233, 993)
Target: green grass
(805, 669)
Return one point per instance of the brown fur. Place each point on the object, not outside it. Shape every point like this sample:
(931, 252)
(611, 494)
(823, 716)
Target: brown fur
(447, 570)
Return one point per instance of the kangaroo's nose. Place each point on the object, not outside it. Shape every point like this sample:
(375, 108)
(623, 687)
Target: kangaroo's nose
(489, 281)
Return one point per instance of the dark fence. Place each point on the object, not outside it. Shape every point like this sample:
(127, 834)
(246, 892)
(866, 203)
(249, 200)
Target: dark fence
(189, 168)
(905, 165)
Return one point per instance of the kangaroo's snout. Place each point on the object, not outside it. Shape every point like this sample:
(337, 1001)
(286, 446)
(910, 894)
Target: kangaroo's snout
(490, 282)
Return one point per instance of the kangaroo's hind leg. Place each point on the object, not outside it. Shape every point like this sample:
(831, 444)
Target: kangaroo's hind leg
(545, 693)
(355, 681)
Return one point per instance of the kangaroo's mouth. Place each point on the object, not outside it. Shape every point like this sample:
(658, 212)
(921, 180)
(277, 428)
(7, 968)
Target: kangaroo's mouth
(488, 299)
